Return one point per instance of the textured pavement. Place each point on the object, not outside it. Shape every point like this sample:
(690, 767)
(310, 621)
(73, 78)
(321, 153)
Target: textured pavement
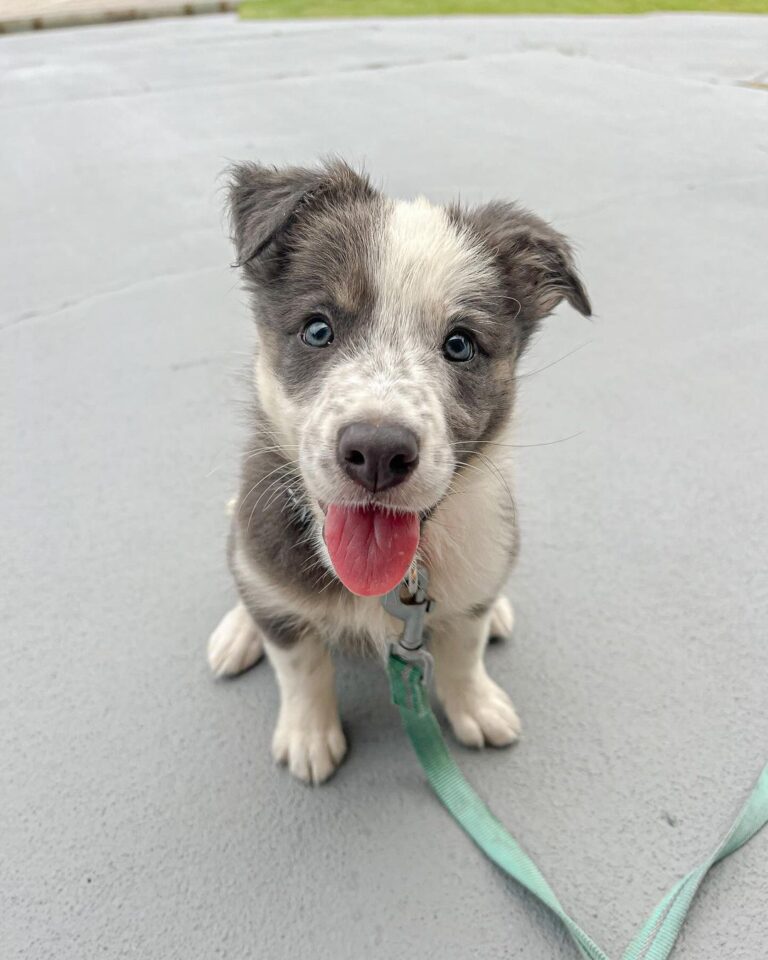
(141, 815)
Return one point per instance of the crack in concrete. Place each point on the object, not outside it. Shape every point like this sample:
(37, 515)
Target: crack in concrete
(200, 362)
(280, 77)
(380, 66)
(66, 305)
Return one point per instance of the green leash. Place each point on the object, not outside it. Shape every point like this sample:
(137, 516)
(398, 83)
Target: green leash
(656, 938)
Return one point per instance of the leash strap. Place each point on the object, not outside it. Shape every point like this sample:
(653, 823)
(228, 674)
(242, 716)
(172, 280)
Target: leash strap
(657, 936)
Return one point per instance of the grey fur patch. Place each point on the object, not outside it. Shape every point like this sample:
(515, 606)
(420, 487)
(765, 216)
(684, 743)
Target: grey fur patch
(535, 271)
(266, 203)
(272, 524)
(302, 238)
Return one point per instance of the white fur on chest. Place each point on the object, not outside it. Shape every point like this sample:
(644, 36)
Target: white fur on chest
(467, 543)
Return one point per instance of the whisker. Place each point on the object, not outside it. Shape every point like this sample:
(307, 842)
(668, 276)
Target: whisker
(553, 363)
(288, 464)
(331, 577)
(497, 474)
(258, 483)
(265, 492)
(278, 447)
(304, 540)
(520, 446)
(279, 491)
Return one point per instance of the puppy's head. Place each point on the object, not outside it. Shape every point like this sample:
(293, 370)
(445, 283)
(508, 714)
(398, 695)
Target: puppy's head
(388, 333)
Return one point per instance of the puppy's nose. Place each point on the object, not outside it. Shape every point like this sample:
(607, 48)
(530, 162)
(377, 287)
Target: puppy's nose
(377, 457)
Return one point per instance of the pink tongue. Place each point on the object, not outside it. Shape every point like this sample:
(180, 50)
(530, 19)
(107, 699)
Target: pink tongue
(370, 549)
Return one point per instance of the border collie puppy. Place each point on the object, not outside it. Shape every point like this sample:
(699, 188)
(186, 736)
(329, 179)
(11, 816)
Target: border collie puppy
(388, 334)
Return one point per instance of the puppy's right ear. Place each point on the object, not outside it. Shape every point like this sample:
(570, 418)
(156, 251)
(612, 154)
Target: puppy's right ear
(265, 202)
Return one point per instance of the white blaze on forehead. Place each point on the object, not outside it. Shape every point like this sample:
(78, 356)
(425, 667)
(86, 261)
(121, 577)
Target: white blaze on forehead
(425, 265)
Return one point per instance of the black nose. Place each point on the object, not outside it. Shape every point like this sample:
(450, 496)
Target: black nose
(377, 457)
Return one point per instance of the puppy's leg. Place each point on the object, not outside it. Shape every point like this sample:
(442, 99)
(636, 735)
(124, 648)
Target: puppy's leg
(478, 709)
(308, 737)
(502, 621)
(236, 644)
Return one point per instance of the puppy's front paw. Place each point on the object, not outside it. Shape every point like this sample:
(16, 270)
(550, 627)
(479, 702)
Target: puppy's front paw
(502, 621)
(480, 712)
(311, 747)
(235, 645)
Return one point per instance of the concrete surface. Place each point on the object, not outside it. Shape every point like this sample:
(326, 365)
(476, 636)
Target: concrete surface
(141, 815)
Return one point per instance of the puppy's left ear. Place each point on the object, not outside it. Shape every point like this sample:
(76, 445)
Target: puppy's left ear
(536, 262)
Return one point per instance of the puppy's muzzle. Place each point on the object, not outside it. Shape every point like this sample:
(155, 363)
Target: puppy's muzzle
(377, 456)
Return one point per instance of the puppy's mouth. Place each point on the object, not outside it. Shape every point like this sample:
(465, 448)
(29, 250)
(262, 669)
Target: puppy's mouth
(371, 547)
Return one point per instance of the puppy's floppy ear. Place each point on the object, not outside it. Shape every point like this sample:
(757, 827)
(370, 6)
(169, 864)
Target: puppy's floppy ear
(535, 260)
(266, 202)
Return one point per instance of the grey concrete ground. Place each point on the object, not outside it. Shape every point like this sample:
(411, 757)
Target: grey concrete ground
(141, 815)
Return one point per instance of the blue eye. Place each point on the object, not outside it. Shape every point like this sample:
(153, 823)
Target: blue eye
(317, 332)
(458, 347)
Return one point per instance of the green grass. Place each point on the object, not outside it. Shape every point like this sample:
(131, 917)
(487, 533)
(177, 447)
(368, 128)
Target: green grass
(286, 9)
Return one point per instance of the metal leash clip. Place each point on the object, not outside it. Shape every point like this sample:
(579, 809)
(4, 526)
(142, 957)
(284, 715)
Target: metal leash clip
(412, 611)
